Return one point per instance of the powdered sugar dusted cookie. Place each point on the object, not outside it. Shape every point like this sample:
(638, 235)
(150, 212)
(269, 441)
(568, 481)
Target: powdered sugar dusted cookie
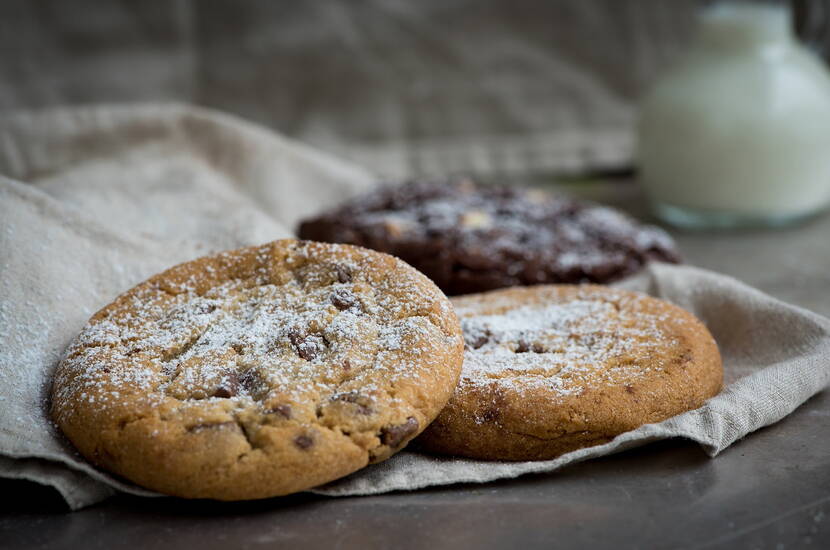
(260, 371)
(471, 238)
(550, 369)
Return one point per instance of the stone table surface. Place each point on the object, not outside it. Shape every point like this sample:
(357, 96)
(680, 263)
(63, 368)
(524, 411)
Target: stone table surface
(770, 490)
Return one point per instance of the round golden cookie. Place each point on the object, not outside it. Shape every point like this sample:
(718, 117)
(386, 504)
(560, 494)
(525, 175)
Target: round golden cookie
(260, 371)
(551, 369)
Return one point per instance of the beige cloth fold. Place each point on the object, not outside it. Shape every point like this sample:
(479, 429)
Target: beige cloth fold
(94, 200)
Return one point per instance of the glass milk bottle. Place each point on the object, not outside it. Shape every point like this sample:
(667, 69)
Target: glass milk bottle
(739, 132)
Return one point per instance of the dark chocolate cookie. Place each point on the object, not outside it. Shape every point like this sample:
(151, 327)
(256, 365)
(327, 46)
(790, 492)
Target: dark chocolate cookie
(469, 238)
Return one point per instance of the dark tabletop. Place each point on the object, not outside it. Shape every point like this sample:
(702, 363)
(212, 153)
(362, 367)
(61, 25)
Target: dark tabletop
(770, 490)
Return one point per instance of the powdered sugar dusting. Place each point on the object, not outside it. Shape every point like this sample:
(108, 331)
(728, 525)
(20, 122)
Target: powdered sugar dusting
(491, 237)
(564, 347)
(253, 340)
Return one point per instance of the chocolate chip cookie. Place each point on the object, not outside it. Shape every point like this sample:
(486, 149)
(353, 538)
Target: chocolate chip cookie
(551, 369)
(260, 371)
(470, 238)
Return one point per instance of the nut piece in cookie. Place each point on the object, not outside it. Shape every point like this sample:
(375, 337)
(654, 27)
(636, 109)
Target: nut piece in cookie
(261, 371)
(551, 369)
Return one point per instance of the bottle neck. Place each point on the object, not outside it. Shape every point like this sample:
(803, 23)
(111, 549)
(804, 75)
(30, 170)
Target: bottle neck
(743, 25)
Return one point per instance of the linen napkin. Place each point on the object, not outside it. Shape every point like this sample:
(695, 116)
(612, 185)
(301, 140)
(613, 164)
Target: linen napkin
(94, 200)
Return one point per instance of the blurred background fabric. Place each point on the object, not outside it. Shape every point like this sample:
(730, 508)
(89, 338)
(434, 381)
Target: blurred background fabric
(432, 87)
(404, 88)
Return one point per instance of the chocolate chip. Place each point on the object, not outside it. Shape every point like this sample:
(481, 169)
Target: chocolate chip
(229, 386)
(479, 340)
(308, 346)
(303, 442)
(522, 346)
(343, 273)
(281, 410)
(252, 382)
(394, 435)
(343, 299)
(361, 401)
(347, 365)
(629, 389)
(203, 309)
(223, 392)
(295, 336)
(538, 348)
(490, 415)
(307, 351)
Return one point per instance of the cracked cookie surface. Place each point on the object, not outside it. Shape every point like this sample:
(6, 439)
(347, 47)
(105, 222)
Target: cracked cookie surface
(260, 371)
(551, 369)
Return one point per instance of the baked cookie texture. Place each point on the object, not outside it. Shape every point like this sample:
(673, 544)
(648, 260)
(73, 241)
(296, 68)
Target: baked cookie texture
(259, 372)
(551, 369)
(470, 238)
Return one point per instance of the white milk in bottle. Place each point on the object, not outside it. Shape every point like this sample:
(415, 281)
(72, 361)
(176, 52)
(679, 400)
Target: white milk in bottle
(739, 132)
